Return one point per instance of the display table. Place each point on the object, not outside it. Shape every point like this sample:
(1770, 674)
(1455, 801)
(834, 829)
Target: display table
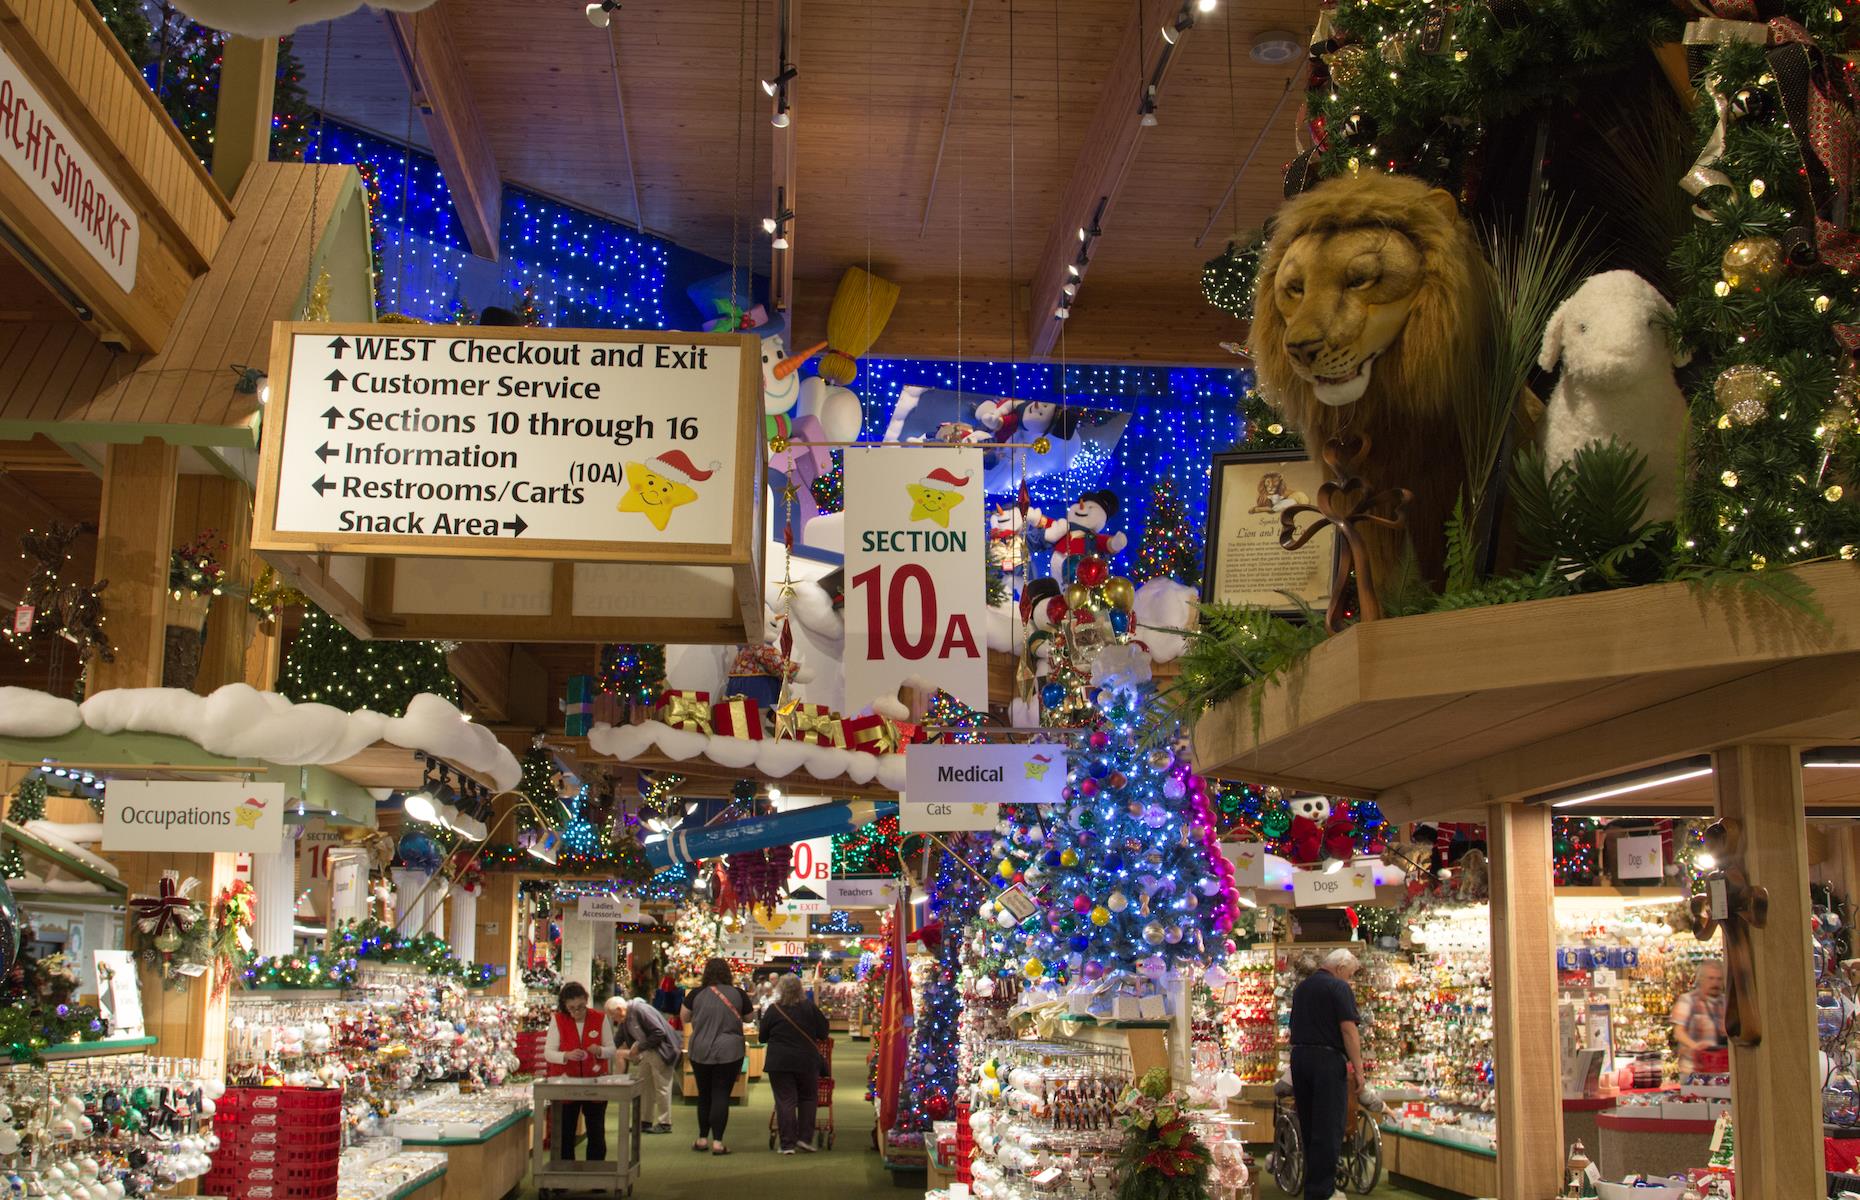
(1438, 1162)
(486, 1167)
(619, 1171)
(688, 1082)
(1650, 1147)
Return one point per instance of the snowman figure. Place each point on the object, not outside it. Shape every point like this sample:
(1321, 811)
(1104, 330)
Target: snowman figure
(1007, 541)
(781, 391)
(1080, 533)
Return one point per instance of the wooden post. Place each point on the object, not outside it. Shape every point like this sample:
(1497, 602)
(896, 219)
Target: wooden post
(498, 913)
(1530, 1085)
(242, 123)
(190, 1023)
(224, 506)
(1775, 1086)
(1844, 867)
(136, 525)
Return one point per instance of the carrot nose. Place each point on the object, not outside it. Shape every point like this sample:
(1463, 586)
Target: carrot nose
(790, 365)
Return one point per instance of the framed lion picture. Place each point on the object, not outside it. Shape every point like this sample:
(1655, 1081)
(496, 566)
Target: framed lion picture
(1245, 563)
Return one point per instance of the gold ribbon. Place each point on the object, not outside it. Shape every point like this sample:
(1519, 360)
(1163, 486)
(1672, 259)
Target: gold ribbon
(1716, 31)
(809, 723)
(686, 710)
(882, 738)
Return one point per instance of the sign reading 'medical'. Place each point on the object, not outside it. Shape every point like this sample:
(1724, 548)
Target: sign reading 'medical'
(973, 773)
(501, 442)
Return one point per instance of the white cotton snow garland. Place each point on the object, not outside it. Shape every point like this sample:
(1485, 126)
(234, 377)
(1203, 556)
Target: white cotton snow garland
(240, 721)
(774, 757)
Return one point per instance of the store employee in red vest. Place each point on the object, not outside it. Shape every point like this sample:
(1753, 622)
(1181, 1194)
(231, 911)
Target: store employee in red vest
(579, 1046)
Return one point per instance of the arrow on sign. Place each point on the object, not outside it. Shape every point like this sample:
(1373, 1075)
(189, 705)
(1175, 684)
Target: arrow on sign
(322, 485)
(333, 415)
(339, 345)
(324, 452)
(517, 526)
(335, 381)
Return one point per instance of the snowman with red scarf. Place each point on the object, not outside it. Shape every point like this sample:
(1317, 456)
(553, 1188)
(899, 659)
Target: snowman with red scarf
(1080, 534)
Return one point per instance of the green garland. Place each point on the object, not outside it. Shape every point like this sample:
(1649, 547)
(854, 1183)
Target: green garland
(1773, 424)
(373, 941)
(26, 1030)
(296, 972)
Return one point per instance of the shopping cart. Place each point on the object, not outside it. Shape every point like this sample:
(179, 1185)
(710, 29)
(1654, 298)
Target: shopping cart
(823, 1114)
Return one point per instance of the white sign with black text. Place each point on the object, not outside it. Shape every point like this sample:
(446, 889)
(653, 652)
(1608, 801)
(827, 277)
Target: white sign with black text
(941, 817)
(519, 435)
(1351, 884)
(1639, 857)
(222, 817)
(60, 174)
(608, 908)
(916, 588)
(861, 893)
(974, 773)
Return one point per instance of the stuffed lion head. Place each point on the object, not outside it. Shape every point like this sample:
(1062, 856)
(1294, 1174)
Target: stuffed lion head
(1371, 301)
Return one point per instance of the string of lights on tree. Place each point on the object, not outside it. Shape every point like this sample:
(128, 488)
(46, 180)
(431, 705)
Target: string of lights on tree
(1573, 857)
(957, 892)
(329, 665)
(633, 672)
(28, 805)
(875, 848)
(1171, 545)
(839, 923)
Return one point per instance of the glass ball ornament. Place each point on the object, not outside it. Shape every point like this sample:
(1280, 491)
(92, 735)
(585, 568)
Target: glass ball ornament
(1100, 916)
(1153, 933)
(1752, 264)
(1081, 904)
(1121, 593)
(1093, 571)
(1172, 934)
(1161, 760)
(1005, 919)
(1033, 969)
(1117, 779)
(1078, 596)
(1174, 788)
(1117, 901)
(1745, 392)
(1347, 65)
(1068, 857)
(1080, 942)
(1099, 739)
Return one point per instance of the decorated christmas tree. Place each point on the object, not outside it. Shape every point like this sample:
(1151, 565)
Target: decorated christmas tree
(28, 805)
(1170, 548)
(1127, 870)
(930, 1074)
(875, 848)
(697, 938)
(329, 665)
(529, 311)
(635, 673)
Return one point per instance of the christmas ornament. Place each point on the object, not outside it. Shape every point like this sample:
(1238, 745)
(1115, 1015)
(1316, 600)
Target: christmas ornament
(1347, 65)
(1393, 49)
(1750, 264)
(1744, 392)
(1751, 104)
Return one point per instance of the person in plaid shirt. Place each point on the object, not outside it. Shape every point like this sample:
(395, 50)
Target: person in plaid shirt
(1698, 1015)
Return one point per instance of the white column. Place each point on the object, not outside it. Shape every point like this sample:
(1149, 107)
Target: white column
(348, 887)
(274, 884)
(577, 949)
(463, 931)
(434, 916)
(409, 903)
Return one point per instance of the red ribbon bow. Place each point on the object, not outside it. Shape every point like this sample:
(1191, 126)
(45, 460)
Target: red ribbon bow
(171, 909)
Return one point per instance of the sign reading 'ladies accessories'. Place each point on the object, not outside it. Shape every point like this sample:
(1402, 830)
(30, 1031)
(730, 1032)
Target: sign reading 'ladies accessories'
(141, 814)
(435, 442)
(974, 773)
(1352, 884)
(41, 149)
(608, 908)
(916, 589)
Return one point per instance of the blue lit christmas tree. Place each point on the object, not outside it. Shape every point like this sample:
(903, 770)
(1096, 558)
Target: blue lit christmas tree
(1127, 869)
(930, 1074)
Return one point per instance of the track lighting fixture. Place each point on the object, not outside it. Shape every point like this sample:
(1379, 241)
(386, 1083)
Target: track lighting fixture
(1206, 6)
(786, 75)
(1148, 109)
(781, 119)
(598, 12)
(777, 225)
(1070, 289)
(1062, 312)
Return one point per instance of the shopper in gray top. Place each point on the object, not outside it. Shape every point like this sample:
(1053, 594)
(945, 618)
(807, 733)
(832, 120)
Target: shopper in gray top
(713, 1016)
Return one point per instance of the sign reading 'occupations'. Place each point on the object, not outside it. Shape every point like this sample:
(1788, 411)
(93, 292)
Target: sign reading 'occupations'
(140, 814)
(508, 442)
(915, 579)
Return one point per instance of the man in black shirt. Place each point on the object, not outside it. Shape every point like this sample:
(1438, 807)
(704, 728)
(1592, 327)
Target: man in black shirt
(1327, 1060)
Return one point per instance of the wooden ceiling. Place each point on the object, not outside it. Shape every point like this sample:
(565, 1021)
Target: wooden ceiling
(870, 103)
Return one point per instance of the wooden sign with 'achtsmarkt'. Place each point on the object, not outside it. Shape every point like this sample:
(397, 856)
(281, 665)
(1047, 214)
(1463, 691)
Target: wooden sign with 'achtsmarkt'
(517, 484)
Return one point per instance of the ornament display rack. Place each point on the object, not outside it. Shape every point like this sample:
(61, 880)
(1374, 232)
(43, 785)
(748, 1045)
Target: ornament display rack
(1044, 1121)
(1462, 715)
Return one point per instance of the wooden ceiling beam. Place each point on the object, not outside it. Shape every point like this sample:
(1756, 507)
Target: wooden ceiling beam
(483, 669)
(1106, 152)
(436, 75)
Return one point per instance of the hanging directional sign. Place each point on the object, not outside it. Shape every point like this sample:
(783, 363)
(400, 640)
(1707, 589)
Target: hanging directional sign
(541, 447)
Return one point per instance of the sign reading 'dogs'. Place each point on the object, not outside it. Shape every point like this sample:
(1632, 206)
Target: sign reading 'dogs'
(915, 581)
(40, 148)
(1639, 857)
(608, 908)
(1351, 885)
(974, 773)
(532, 439)
(141, 814)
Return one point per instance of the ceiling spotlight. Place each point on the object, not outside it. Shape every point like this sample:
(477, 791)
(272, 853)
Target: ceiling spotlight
(420, 806)
(780, 242)
(1072, 269)
(1206, 6)
(1149, 107)
(1062, 312)
(597, 12)
(1082, 233)
(548, 847)
(1169, 34)
(786, 75)
(768, 225)
(780, 119)
(774, 793)
(1070, 289)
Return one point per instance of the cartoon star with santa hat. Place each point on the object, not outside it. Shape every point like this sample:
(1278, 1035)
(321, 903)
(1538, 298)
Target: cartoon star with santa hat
(935, 494)
(655, 488)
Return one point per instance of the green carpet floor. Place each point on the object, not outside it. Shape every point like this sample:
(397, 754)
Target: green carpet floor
(670, 1170)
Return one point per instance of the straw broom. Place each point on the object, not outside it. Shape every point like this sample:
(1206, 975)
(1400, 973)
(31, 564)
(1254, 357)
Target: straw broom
(861, 307)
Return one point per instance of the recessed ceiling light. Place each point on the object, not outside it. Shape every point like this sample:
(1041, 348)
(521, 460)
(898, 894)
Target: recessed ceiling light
(1275, 46)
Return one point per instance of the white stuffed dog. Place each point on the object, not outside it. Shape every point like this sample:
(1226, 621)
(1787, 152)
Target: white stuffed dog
(1617, 381)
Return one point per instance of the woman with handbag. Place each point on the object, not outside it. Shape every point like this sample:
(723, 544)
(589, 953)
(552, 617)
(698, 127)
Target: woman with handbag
(579, 1045)
(714, 1014)
(792, 1029)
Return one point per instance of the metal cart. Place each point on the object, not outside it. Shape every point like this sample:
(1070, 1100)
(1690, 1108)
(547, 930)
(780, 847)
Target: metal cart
(614, 1176)
(823, 1114)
